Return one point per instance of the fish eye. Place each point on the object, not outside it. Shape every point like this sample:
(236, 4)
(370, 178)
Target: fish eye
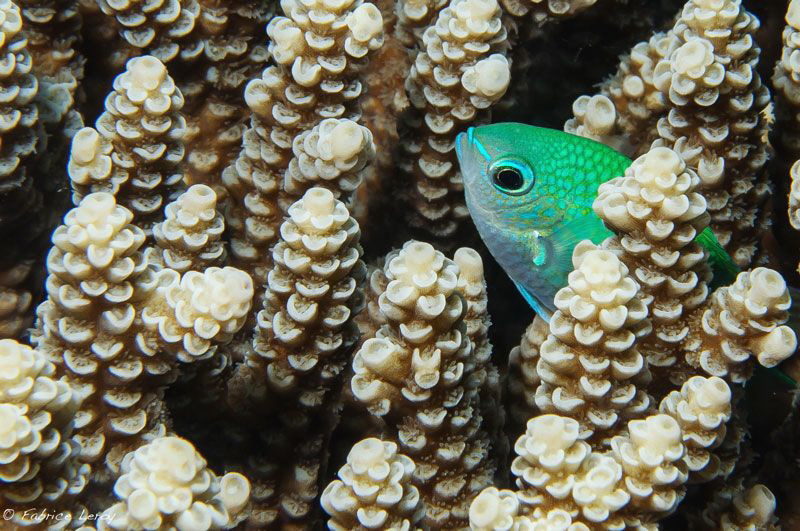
(512, 177)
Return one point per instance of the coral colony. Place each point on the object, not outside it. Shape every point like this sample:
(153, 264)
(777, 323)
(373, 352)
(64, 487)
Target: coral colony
(201, 328)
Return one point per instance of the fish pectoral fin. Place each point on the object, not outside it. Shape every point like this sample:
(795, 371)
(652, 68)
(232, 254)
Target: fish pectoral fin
(553, 260)
(568, 235)
(541, 310)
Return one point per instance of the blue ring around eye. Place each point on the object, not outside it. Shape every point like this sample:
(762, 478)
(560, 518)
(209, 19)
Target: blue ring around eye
(518, 166)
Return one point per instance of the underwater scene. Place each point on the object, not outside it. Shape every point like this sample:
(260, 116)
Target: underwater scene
(512, 265)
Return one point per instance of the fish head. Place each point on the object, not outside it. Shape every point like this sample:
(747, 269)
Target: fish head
(527, 178)
(502, 183)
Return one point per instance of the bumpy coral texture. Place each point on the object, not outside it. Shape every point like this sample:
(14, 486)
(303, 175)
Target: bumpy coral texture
(190, 237)
(19, 198)
(218, 47)
(413, 17)
(523, 379)
(162, 27)
(651, 455)
(136, 148)
(312, 291)
(472, 286)
(115, 330)
(742, 323)
(794, 197)
(318, 49)
(304, 337)
(93, 265)
(702, 407)
(38, 458)
(460, 72)
(201, 308)
(625, 112)
(165, 484)
(696, 89)
(561, 481)
(374, 490)
(333, 154)
(233, 52)
(589, 361)
(752, 509)
(416, 373)
(718, 78)
(786, 81)
(657, 208)
(545, 10)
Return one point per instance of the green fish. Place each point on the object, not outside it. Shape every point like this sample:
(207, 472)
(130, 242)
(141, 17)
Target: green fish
(530, 191)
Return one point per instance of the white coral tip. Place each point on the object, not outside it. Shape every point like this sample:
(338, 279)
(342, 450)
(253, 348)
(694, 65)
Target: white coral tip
(469, 263)
(147, 72)
(489, 77)
(600, 114)
(493, 509)
(347, 139)
(793, 14)
(319, 202)
(776, 346)
(85, 145)
(234, 491)
(365, 23)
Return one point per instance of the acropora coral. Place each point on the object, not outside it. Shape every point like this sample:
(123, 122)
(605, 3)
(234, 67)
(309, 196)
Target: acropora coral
(240, 287)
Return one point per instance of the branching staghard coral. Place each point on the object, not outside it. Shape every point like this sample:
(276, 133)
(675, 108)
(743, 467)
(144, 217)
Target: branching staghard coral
(702, 408)
(374, 490)
(751, 509)
(563, 484)
(331, 154)
(625, 113)
(657, 214)
(696, 89)
(459, 73)
(163, 28)
(786, 81)
(660, 212)
(216, 46)
(20, 200)
(319, 49)
(233, 54)
(631, 395)
(589, 363)
(52, 28)
(715, 120)
(39, 458)
(116, 329)
(472, 286)
(190, 237)
(418, 374)
(137, 146)
(165, 485)
(305, 333)
(523, 378)
(544, 10)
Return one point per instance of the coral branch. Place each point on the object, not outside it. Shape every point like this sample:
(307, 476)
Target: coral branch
(417, 373)
(136, 149)
(460, 72)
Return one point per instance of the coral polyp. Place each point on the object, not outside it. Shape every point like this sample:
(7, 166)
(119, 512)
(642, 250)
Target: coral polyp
(250, 275)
